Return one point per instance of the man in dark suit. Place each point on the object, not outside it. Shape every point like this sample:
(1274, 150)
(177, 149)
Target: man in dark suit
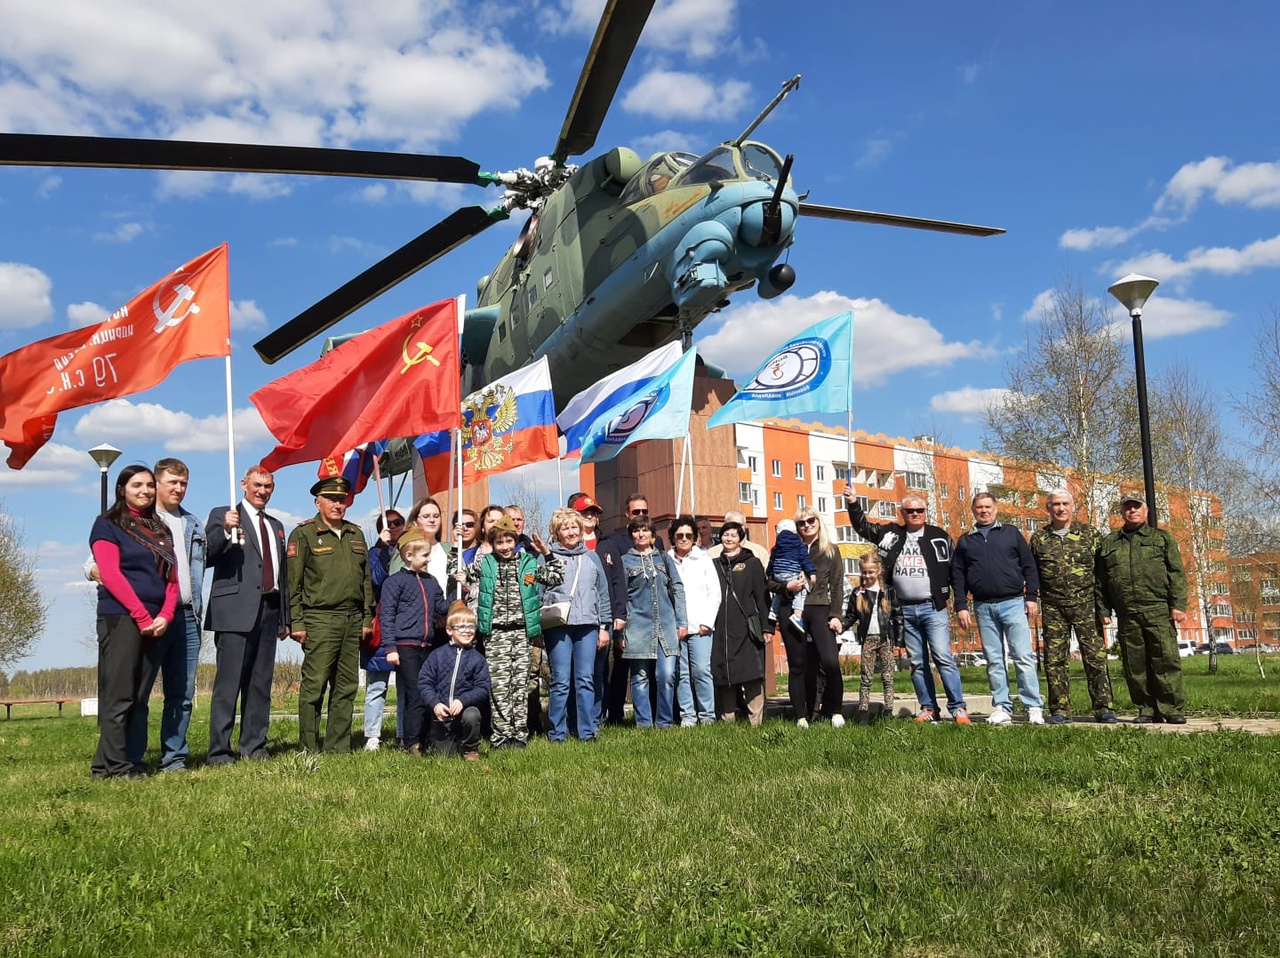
(248, 612)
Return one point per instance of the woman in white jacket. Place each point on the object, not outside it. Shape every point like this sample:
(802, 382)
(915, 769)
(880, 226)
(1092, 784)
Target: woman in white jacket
(695, 692)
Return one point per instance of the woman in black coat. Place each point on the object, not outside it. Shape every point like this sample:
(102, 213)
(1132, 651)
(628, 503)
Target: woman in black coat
(737, 657)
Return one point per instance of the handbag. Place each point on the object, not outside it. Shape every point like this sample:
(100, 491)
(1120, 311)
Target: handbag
(555, 615)
(755, 628)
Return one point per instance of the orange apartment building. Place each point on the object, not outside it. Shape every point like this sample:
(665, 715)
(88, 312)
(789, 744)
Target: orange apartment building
(1255, 594)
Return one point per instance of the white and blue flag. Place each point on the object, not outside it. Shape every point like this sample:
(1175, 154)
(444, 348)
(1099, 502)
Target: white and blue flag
(586, 407)
(811, 372)
(659, 412)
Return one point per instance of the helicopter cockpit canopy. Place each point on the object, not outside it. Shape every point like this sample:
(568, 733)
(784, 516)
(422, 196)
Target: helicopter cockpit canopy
(655, 176)
(750, 161)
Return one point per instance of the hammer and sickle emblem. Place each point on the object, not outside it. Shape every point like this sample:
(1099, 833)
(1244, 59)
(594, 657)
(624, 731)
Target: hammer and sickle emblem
(169, 316)
(423, 354)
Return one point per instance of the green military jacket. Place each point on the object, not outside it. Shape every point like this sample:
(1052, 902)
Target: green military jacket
(1139, 572)
(329, 571)
(1066, 563)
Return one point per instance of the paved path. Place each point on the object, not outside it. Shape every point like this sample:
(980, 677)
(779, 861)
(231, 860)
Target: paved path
(980, 708)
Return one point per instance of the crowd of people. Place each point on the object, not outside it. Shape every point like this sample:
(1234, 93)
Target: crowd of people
(474, 625)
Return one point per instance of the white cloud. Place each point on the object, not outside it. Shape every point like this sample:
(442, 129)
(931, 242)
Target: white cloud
(119, 420)
(1256, 185)
(1040, 306)
(1166, 316)
(1083, 239)
(245, 314)
(284, 242)
(48, 186)
(672, 94)
(699, 28)
(124, 233)
(969, 402)
(751, 331)
(970, 72)
(874, 151)
(321, 72)
(665, 142)
(87, 313)
(54, 466)
(1220, 260)
(24, 296)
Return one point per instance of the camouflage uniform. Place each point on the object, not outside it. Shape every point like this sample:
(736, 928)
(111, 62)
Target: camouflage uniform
(1139, 574)
(1067, 602)
(513, 630)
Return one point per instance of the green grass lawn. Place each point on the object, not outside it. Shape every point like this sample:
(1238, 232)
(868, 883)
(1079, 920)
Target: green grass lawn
(894, 840)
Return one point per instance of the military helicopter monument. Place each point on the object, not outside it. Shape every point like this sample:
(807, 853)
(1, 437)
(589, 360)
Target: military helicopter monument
(619, 255)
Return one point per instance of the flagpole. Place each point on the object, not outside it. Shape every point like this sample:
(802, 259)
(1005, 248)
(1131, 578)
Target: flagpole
(849, 447)
(684, 451)
(231, 449)
(559, 481)
(693, 482)
(382, 502)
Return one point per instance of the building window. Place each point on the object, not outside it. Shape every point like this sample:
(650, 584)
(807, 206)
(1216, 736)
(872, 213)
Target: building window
(753, 464)
(916, 480)
(886, 509)
(863, 503)
(755, 497)
(851, 566)
(842, 472)
(942, 490)
(1220, 611)
(822, 505)
(960, 493)
(820, 473)
(776, 466)
(799, 470)
(800, 502)
(846, 534)
(744, 492)
(777, 501)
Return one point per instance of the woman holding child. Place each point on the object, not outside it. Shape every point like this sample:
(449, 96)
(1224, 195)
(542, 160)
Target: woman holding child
(805, 658)
(655, 624)
(572, 647)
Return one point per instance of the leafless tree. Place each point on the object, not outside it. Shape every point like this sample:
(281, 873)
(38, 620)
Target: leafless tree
(22, 618)
(1071, 402)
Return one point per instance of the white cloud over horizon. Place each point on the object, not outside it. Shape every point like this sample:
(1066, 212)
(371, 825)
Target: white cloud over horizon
(969, 402)
(1219, 260)
(679, 95)
(118, 420)
(25, 296)
(749, 332)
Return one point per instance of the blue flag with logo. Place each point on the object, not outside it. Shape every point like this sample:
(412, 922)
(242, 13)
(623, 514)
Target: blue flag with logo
(660, 412)
(811, 372)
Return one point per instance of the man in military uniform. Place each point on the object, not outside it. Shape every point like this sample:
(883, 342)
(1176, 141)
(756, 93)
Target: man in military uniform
(1139, 575)
(331, 596)
(1065, 552)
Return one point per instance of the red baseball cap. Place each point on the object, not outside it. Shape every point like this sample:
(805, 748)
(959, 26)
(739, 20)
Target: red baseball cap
(584, 503)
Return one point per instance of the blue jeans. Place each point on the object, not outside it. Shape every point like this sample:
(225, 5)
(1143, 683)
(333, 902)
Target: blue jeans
(694, 679)
(179, 655)
(1006, 622)
(642, 673)
(375, 703)
(928, 635)
(571, 650)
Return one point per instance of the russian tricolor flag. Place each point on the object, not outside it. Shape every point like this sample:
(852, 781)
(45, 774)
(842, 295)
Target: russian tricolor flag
(356, 466)
(509, 423)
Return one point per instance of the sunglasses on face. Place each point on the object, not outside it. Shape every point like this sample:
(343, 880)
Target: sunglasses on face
(808, 522)
(467, 525)
(395, 523)
(639, 512)
(913, 512)
(683, 535)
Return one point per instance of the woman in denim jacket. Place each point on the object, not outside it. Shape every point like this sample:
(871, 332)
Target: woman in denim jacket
(655, 624)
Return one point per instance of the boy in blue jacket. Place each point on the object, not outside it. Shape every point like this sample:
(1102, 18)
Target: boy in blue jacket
(412, 601)
(453, 684)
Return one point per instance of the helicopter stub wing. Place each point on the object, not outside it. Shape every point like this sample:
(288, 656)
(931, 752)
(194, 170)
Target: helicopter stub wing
(895, 219)
(35, 149)
(451, 232)
(616, 37)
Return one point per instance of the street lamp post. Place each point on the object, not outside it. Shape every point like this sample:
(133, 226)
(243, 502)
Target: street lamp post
(104, 456)
(1133, 291)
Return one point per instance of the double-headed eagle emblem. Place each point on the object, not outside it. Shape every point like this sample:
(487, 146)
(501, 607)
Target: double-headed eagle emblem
(485, 421)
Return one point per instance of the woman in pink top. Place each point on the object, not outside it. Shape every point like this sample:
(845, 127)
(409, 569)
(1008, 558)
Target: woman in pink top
(136, 601)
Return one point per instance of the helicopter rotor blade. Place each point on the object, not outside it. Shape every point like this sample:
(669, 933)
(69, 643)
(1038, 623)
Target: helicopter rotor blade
(616, 37)
(895, 219)
(34, 149)
(450, 233)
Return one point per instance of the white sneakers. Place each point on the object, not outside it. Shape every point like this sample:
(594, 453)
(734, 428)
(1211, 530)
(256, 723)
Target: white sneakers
(371, 744)
(802, 723)
(1035, 716)
(837, 721)
(999, 717)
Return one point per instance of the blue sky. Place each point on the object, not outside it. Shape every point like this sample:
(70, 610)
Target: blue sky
(1104, 139)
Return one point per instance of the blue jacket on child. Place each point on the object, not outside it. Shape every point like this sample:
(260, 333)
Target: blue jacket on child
(454, 672)
(790, 556)
(411, 602)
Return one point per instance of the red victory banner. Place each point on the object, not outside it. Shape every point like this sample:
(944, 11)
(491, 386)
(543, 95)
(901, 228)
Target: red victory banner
(186, 315)
(400, 379)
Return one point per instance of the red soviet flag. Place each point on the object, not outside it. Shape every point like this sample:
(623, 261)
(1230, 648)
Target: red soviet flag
(400, 379)
(186, 315)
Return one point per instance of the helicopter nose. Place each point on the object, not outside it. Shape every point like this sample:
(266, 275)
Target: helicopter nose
(765, 223)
